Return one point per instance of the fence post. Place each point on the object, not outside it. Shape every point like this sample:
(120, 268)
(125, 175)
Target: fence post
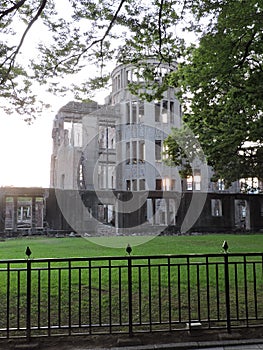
(28, 301)
(130, 295)
(227, 292)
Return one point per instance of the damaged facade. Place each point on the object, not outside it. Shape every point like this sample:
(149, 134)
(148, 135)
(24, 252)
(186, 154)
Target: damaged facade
(108, 175)
(114, 152)
(22, 209)
(38, 211)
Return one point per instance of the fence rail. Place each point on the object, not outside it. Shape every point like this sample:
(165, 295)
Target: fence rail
(107, 295)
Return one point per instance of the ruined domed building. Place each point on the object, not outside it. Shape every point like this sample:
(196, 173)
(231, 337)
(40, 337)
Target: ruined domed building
(113, 156)
(109, 174)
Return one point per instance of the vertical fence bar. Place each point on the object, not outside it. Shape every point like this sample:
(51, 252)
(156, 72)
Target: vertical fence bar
(150, 293)
(130, 295)
(160, 294)
(208, 291)
(39, 298)
(110, 297)
(189, 292)
(18, 299)
(179, 292)
(236, 291)
(28, 301)
(140, 293)
(255, 290)
(80, 301)
(100, 304)
(90, 296)
(120, 296)
(198, 292)
(8, 300)
(227, 293)
(169, 293)
(246, 288)
(59, 297)
(49, 297)
(69, 297)
(217, 293)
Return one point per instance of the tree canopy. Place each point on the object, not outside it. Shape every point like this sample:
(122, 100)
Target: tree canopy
(218, 76)
(76, 38)
(222, 89)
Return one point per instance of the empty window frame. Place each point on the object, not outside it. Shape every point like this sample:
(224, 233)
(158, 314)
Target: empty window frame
(142, 184)
(197, 180)
(216, 207)
(9, 213)
(128, 155)
(189, 183)
(194, 182)
(107, 137)
(136, 156)
(158, 184)
(141, 112)
(171, 105)
(160, 211)
(134, 185)
(128, 185)
(157, 111)
(141, 151)
(220, 185)
(165, 111)
(134, 152)
(128, 112)
(106, 213)
(76, 135)
(106, 176)
(111, 137)
(24, 212)
(129, 76)
(134, 105)
(158, 150)
(173, 184)
(166, 184)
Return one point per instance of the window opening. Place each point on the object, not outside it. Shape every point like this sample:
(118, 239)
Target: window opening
(158, 150)
(216, 207)
(157, 111)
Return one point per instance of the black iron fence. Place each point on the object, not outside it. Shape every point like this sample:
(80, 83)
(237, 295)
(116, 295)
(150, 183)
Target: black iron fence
(107, 295)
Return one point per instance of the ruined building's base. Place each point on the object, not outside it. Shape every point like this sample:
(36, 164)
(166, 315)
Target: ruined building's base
(57, 212)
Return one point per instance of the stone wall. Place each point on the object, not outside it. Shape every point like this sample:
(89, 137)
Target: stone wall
(86, 211)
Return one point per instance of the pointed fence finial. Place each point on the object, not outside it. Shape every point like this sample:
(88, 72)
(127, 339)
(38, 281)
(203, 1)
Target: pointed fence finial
(225, 246)
(28, 252)
(128, 249)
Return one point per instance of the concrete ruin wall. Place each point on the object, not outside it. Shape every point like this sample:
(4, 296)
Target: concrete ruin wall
(219, 212)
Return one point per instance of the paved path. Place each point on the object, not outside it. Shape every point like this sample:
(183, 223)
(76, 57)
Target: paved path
(236, 347)
(252, 344)
(192, 347)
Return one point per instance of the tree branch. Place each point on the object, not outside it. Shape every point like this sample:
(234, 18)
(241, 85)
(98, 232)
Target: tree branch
(15, 53)
(248, 44)
(159, 27)
(98, 41)
(11, 9)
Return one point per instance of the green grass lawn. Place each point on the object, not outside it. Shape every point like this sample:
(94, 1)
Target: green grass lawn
(82, 247)
(96, 293)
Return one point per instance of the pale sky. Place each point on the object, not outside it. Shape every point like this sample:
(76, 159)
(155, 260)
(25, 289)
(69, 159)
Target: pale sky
(25, 150)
